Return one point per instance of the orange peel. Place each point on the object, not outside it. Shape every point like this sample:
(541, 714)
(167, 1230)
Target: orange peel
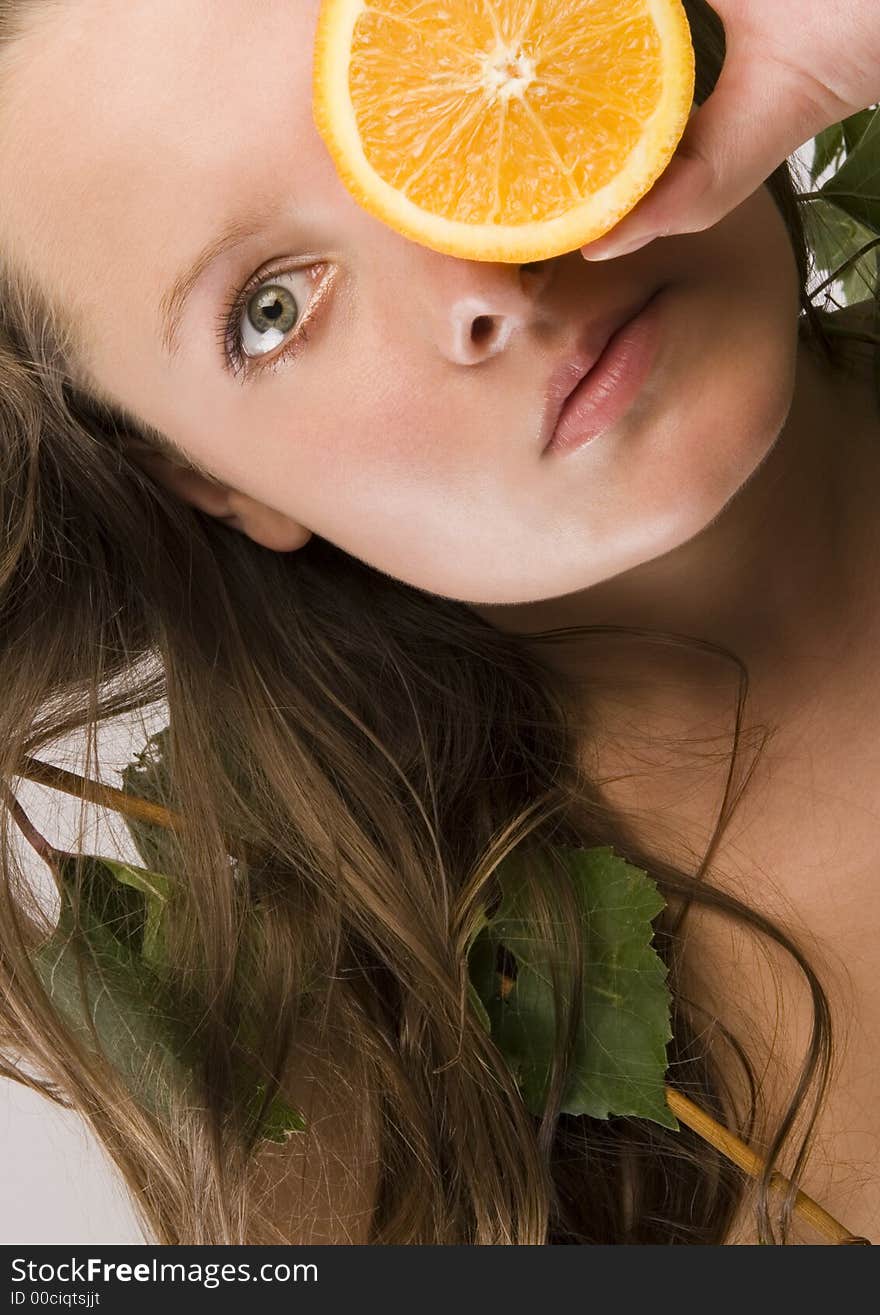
(502, 130)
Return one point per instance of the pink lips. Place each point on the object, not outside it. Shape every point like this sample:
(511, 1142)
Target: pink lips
(616, 354)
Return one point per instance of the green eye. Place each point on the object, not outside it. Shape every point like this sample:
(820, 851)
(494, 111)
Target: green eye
(266, 313)
(269, 316)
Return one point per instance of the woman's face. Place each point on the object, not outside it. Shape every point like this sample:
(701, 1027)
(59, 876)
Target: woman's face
(399, 425)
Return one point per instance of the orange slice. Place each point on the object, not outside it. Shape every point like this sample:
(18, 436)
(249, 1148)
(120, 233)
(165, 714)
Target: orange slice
(508, 130)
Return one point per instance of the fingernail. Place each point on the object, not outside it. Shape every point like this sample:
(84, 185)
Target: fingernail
(601, 250)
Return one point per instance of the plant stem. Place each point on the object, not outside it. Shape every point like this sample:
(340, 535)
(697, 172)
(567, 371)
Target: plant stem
(850, 260)
(742, 1155)
(95, 792)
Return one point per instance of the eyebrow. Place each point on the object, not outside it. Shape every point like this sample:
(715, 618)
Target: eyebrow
(173, 303)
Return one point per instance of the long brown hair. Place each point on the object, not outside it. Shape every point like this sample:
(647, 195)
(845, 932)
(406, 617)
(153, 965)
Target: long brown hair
(367, 753)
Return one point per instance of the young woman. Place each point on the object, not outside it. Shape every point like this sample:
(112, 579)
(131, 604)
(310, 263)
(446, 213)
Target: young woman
(265, 459)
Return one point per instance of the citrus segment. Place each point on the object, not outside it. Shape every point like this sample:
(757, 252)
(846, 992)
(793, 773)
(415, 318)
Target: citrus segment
(509, 130)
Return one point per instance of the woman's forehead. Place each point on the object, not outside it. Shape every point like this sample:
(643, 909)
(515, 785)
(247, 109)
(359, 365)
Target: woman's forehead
(143, 127)
(137, 117)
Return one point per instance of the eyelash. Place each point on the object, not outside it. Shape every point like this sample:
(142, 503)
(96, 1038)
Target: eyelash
(229, 321)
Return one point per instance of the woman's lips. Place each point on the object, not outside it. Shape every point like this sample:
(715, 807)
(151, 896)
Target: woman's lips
(591, 391)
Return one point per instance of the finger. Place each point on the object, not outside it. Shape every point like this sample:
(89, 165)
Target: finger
(758, 114)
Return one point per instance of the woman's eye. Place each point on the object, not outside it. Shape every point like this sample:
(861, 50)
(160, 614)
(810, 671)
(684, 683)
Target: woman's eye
(270, 313)
(272, 310)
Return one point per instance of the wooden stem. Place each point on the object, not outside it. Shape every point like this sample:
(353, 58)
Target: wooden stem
(742, 1155)
(107, 796)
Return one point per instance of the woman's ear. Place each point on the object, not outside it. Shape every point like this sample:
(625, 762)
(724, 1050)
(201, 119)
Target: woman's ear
(273, 529)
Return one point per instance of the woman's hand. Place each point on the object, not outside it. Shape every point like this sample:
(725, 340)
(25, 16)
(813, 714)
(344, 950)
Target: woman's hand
(793, 68)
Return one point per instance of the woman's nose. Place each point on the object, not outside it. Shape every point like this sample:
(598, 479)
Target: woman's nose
(476, 306)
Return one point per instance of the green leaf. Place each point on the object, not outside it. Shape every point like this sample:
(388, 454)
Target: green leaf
(118, 908)
(834, 236)
(97, 981)
(854, 128)
(98, 968)
(830, 146)
(855, 187)
(619, 1062)
(156, 889)
(280, 1120)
